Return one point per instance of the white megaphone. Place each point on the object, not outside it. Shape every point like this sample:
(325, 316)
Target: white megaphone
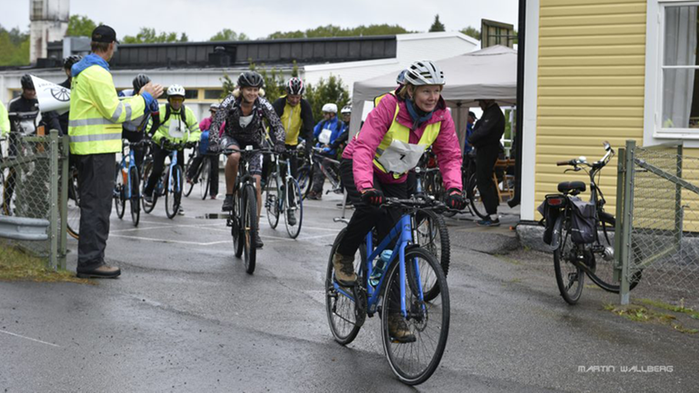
(52, 97)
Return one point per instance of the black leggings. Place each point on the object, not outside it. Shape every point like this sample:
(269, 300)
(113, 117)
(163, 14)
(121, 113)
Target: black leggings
(366, 217)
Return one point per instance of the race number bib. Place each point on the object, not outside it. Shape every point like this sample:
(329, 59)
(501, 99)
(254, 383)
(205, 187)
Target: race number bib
(176, 128)
(324, 136)
(401, 157)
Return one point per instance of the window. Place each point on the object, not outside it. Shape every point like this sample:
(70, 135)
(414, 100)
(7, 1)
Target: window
(213, 94)
(679, 69)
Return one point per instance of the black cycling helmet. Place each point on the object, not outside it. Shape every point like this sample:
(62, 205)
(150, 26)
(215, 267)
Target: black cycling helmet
(70, 60)
(250, 79)
(27, 82)
(295, 86)
(139, 81)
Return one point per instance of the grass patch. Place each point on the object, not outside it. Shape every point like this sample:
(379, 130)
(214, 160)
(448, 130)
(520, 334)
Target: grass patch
(652, 311)
(16, 265)
(666, 306)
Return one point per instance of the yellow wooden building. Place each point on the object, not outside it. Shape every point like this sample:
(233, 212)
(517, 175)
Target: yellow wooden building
(599, 70)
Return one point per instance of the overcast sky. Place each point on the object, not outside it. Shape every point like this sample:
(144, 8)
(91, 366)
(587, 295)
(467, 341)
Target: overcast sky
(201, 19)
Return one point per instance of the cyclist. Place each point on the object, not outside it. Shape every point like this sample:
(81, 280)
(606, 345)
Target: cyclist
(326, 132)
(133, 130)
(375, 163)
(244, 111)
(205, 126)
(176, 124)
(295, 113)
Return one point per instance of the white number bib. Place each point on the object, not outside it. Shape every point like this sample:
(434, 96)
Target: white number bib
(325, 135)
(176, 127)
(401, 157)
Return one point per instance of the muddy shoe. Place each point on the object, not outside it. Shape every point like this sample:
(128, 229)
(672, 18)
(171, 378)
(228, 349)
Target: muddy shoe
(344, 270)
(399, 330)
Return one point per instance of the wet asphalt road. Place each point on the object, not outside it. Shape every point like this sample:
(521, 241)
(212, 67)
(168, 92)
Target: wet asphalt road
(184, 316)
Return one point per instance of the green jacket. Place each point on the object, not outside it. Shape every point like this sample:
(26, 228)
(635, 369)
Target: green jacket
(4, 120)
(189, 131)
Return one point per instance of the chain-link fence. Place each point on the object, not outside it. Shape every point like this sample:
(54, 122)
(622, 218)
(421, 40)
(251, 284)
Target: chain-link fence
(660, 220)
(33, 208)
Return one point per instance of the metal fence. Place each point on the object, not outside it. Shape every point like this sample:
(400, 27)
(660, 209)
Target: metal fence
(658, 210)
(33, 198)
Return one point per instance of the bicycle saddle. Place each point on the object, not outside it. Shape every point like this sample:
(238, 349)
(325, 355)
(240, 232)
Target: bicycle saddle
(567, 186)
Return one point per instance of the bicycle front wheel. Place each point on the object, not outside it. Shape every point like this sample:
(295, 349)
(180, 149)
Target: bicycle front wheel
(119, 190)
(343, 315)
(173, 193)
(432, 235)
(294, 208)
(134, 200)
(204, 178)
(273, 200)
(249, 220)
(569, 277)
(147, 170)
(189, 186)
(475, 199)
(414, 342)
(305, 179)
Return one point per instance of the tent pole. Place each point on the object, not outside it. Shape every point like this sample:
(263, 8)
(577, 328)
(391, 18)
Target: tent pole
(520, 104)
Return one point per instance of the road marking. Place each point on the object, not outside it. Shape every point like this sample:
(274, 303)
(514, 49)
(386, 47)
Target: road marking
(29, 338)
(273, 238)
(166, 227)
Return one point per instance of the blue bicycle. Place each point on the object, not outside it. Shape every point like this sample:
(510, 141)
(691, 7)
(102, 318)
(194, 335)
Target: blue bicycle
(171, 183)
(127, 182)
(409, 291)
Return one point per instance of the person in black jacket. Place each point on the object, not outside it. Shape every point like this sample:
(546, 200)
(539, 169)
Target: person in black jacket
(486, 140)
(296, 116)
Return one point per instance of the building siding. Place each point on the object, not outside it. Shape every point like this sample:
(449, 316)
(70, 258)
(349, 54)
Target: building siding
(590, 86)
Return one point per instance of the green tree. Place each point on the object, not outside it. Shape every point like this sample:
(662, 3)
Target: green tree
(14, 47)
(80, 26)
(472, 32)
(148, 36)
(324, 92)
(336, 31)
(229, 35)
(436, 25)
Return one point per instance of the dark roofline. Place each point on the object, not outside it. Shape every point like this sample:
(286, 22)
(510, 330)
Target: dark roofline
(257, 42)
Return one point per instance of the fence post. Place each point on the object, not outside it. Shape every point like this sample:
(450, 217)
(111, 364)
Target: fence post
(679, 211)
(65, 168)
(53, 199)
(620, 181)
(627, 220)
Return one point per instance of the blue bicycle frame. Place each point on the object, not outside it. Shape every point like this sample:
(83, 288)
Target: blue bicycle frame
(131, 164)
(403, 231)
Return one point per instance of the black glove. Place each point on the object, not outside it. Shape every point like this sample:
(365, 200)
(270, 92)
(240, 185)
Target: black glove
(279, 148)
(455, 200)
(372, 196)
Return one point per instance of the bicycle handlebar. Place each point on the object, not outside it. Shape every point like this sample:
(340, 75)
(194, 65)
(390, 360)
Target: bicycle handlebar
(417, 203)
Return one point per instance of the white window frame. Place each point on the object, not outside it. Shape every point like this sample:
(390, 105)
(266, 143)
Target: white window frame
(653, 133)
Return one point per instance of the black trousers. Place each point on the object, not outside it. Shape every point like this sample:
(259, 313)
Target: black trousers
(213, 174)
(366, 217)
(318, 176)
(486, 156)
(96, 179)
(159, 155)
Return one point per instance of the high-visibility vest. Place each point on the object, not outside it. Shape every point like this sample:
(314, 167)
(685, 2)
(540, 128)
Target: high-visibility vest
(4, 120)
(401, 133)
(96, 113)
(189, 127)
(291, 120)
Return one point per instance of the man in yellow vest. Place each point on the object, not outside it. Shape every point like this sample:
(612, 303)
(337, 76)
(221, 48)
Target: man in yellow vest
(94, 126)
(4, 121)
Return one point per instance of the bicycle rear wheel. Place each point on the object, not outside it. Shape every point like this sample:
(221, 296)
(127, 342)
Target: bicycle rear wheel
(294, 205)
(305, 179)
(119, 190)
(173, 192)
(147, 170)
(189, 186)
(73, 204)
(432, 235)
(204, 178)
(134, 200)
(474, 197)
(273, 200)
(569, 277)
(415, 360)
(344, 318)
(249, 220)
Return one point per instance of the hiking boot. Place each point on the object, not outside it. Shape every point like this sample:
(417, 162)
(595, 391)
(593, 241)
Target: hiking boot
(398, 330)
(344, 270)
(228, 203)
(258, 240)
(291, 218)
(488, 222)
(104, 271)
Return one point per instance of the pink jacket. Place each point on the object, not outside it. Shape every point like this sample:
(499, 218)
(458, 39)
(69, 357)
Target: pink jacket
(206, 124)
(363, 146)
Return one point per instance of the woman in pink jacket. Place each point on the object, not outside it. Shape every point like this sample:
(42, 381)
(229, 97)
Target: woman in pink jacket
(390, 143)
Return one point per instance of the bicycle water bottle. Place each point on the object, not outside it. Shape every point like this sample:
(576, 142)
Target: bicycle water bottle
(381, 265)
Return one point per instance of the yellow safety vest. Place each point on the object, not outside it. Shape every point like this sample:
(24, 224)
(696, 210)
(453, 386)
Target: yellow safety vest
(190, 128)
(401, 133)
(96, 113)
(291, 120)
(4, 120)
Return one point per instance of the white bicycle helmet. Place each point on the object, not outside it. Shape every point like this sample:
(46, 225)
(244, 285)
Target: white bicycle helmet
(346, 109)
(175, 90)
(424, 72)
(330, 108)
(215, 105)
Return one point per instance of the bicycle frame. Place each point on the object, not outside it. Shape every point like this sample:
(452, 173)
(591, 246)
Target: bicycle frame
(131, 164)
(404, 233)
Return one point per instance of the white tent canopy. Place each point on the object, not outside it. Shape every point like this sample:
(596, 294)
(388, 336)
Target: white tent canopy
(490, 73)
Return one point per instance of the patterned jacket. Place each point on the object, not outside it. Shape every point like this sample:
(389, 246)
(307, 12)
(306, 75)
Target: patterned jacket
(230, 112)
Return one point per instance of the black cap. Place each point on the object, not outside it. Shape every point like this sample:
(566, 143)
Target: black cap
(104, 33)
(472, 115)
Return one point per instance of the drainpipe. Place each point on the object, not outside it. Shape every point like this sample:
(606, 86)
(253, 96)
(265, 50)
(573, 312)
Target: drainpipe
(520, 103)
